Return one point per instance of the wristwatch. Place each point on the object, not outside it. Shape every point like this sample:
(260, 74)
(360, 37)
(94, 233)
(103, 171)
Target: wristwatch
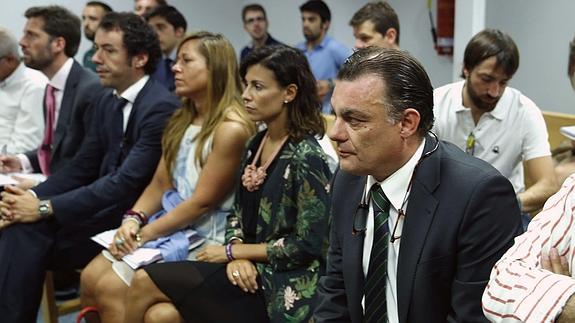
(44, 209)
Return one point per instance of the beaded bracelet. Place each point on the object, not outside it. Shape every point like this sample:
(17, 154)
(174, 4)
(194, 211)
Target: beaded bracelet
(229, 252)
(139, 216)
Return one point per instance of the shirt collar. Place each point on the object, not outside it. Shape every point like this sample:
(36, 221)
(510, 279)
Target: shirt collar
(59, 79)
(396, 185)
(19, 70)
(173, 54)
(133, 90)
(324, 41)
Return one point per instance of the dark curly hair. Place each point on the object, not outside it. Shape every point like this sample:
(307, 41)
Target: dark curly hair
(290, 66)
(138, 36)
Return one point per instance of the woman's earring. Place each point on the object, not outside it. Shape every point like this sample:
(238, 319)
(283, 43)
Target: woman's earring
(285, 101)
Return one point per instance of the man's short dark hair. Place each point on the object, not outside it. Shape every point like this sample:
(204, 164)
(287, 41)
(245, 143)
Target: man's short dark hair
(59, 22)
(100, 4)
(381, 14)
(138, 37)
(319, 7)
(170, 14)
(253, 7)
(492, 43)
(405, 82)
(159, 2)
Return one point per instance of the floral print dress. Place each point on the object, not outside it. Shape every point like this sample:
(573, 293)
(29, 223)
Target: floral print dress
(290, 214)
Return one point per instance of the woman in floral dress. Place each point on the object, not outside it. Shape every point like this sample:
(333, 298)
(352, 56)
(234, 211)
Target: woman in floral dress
(276, 236)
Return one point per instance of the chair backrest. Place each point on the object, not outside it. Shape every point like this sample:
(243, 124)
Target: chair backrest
(554, 121)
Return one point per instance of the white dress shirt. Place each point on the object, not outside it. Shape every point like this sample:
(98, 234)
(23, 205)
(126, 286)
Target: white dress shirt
(21, 117)
(395, 188)
(58, 82)
(130, 95)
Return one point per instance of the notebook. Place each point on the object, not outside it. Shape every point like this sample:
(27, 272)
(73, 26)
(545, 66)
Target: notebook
(145, 256)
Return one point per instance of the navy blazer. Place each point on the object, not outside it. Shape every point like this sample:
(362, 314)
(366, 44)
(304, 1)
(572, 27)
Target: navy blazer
(461, 217)
(86, 189)
(74, 119)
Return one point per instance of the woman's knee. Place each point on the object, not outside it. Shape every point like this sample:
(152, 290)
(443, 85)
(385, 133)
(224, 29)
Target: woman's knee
(92, 274)
(162, 312)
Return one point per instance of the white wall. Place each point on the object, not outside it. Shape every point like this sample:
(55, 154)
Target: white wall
(542, 31)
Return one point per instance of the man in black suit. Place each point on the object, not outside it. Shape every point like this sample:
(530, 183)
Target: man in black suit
(417, 224)
(50, 41)
(90, 194)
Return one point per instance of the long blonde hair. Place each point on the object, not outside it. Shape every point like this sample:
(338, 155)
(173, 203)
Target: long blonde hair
(223, 97)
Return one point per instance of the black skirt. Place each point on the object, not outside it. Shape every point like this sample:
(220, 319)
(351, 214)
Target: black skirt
(202, 292)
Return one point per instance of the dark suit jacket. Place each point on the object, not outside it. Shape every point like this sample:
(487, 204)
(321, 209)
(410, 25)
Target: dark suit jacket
(91, 193)
(81, 90)
(461, 217)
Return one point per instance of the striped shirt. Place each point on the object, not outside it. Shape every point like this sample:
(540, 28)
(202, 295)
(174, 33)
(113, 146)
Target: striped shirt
(519, 289)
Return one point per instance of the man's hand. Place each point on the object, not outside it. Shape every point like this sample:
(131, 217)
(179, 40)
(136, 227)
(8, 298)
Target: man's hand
(18, 205)
(10, 164)
(4, 223)
(555, 263)
(25, 183)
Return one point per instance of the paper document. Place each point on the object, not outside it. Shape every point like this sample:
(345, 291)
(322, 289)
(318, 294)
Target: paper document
(144, 256)
(9, 180)
(568, 131)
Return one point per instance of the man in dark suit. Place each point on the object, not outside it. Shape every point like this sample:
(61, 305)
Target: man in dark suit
(170, 26)
(90, 194)
(417, 224)
(50, 41)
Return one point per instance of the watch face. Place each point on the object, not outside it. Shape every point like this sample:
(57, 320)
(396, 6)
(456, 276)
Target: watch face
(44, 209)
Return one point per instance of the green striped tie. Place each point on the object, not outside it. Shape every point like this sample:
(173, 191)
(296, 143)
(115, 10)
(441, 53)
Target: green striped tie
(374, 288)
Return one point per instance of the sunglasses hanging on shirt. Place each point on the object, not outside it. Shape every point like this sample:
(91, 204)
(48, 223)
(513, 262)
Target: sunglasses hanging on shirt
(362, 211)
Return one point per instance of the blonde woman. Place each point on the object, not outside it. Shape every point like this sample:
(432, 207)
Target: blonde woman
(277, 234)
(202, 148)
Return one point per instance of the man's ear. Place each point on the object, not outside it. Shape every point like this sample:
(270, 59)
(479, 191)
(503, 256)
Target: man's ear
(325, 25)
(465, 72)
(390, 36)
(180, 32)
(58, 44)
(410, 122)
(140, 60)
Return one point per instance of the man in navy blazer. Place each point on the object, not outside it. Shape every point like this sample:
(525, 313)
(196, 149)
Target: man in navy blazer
(90, 194)
(426, 256)
(50, 41)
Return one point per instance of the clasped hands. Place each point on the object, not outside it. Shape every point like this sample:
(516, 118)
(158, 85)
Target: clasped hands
(127, 239)
(17, 205)
(240, 272)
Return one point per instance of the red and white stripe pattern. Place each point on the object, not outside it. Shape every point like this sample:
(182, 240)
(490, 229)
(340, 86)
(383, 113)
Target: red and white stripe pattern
(519, 290)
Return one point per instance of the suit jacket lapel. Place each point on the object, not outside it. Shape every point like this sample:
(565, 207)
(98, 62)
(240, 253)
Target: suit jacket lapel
(67, 106)
(353, 248)
(419, 216)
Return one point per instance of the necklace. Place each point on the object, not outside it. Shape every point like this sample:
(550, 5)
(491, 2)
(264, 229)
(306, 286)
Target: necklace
(254, 176)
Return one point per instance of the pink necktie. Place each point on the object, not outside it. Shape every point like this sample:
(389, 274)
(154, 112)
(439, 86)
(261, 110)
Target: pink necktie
(45, 150)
